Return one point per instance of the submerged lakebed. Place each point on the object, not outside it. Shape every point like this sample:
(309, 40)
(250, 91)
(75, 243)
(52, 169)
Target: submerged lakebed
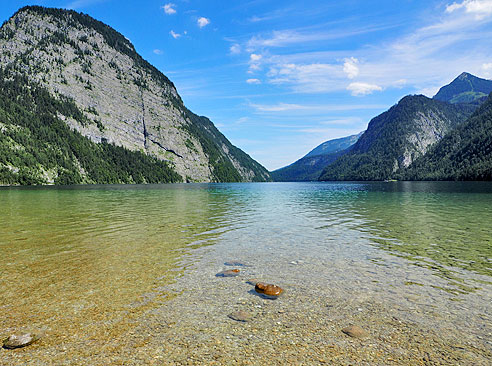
(127, 274)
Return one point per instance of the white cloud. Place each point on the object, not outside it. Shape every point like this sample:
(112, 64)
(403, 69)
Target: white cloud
(202, 22)
(487, 66)
(254, 57)
(169, 8)
(235, 49)
(174, 34)
(363, 88)
(254, 62)
(350, 67)
(157, 51)
(253, 81)
(480, 8)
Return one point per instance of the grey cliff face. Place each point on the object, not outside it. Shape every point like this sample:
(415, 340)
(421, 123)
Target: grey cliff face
(430, 127)
(125, 103)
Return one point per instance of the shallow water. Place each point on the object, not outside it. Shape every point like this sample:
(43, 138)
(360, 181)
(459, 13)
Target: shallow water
(97, 268)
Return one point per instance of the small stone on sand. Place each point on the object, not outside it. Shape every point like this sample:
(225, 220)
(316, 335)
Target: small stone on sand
(268, 289)
(18, 341)
(355, 331)
(228, 273)
(240, 316)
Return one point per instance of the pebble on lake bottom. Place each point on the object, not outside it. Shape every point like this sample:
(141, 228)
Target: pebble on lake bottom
(228, 273)
(268, 289)
(18, 341)
(240, 316)
(355, 331)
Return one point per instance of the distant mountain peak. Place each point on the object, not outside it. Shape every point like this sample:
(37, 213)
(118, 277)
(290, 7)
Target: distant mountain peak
(465, 75)
(466, 88)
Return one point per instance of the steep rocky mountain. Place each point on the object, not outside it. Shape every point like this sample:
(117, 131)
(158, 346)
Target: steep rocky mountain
(107, 93)
(466, 88)
(395, 138)
(309, 167)
(463, 154)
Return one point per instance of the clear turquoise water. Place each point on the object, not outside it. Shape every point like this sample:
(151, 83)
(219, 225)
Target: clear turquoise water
(76, 259)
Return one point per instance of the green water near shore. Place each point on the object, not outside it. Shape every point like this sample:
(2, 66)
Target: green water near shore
(84, 263)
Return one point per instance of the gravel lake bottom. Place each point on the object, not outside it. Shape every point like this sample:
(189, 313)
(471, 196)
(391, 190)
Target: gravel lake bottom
(128, 276)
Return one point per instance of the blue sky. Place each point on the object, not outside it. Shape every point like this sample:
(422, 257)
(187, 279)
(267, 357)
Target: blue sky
(280, 77)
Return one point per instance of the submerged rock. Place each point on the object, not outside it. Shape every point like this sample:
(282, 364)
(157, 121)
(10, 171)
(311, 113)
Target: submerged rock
(228, 273)
(240, 316)
(268, 289)
(18, 341)
(355, 331)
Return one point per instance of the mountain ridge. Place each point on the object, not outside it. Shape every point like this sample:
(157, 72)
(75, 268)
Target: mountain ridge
(311, 165)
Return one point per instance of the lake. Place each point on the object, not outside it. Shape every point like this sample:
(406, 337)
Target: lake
(126, 274)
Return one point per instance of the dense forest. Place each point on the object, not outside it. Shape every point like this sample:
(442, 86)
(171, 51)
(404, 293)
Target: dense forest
(463, 154)
(36, 145)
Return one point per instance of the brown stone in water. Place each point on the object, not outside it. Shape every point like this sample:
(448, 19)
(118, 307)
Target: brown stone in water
(15, 341)
(355, 331)
(240, 316)
(228, 273)
(268, 289)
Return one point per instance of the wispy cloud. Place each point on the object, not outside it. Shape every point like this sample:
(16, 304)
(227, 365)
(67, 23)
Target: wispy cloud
(158, 51)
(289, 37)
(202, 22)
(174, 34)
(308, 78)
(363, 88)
(169, 8)
(421, 59)
(254, 62)
(235, 49)
(289, 107)
(350, 67)
(253, 81)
